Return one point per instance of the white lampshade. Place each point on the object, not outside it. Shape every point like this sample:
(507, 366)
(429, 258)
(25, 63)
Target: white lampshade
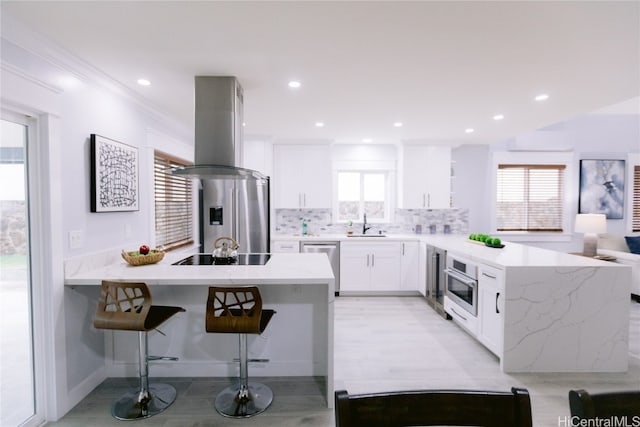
(591, 223)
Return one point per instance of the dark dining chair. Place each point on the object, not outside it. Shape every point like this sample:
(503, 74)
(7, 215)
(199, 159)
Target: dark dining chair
(434, 407)
(587, 406)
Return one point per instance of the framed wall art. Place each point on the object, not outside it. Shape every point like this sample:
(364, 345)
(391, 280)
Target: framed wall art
(114, 176)
(602, 187)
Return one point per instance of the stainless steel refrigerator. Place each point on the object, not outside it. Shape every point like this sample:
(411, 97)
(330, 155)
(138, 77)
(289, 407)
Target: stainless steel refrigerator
(236, 208)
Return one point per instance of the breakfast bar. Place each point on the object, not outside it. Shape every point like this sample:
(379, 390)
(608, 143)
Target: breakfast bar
(298, 341)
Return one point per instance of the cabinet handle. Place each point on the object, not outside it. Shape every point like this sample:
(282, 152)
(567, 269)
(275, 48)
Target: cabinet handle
(403, 249)
(304, 200)
(424, 200)
(497, 309)
(488, 275)
(458, 314)
(373, 260)
(429, 200)
(367, 260)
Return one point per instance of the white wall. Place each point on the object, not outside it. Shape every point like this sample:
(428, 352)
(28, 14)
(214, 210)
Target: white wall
(66, 116)
(591, 136)
(470, 184)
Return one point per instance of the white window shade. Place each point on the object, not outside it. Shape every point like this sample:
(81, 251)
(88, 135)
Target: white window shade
(530, 197)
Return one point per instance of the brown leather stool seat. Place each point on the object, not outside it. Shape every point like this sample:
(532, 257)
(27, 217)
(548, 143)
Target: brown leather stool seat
(127, 306)
(238, 310)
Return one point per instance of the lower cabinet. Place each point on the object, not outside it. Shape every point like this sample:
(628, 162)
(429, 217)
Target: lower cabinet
(410, 267)
(491, 308)
(283, 246)
(370, 266)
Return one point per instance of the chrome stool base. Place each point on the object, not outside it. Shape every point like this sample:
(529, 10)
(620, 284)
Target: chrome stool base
(134, 405)
(236, 401)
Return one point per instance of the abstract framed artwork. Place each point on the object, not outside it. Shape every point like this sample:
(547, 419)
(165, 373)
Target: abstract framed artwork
(114, 176)
(602, 187)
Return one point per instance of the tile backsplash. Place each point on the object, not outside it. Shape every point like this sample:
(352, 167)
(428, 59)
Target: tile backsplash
(319, 221)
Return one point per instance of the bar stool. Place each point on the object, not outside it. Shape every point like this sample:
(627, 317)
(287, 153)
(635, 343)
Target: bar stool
(127, 306)
(238, 310)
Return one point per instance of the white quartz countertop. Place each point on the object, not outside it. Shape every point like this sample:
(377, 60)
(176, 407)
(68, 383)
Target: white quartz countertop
(285, 268)
(344, 238)
(513, 254)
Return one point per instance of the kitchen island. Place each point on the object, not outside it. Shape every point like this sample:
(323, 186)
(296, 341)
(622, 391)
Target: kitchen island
(540, 310)
(298, 341)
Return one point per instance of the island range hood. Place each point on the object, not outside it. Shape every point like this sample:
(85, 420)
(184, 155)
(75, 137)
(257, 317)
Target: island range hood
(218, 131)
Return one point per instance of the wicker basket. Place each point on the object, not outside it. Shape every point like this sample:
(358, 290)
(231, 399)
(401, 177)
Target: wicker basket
(134, 257)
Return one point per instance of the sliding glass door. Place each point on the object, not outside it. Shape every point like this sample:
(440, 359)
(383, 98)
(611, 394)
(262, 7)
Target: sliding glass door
(17, 384)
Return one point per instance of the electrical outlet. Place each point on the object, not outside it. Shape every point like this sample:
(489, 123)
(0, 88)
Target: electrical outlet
(76, 239)
(127, 231)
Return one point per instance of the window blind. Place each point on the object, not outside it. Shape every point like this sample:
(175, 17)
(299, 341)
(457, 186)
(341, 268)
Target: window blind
(635, 223)
(530, 197)
(174, 204)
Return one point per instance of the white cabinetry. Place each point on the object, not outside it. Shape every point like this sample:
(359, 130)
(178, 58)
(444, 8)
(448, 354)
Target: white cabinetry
(370, 266)
(258, 155)
(491, 308)
(302, 176)
(285, 246)
(426, 177)
(410, 267)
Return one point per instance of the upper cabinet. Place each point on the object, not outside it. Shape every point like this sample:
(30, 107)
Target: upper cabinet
(258, 155)
(302, 176)
(426, 178)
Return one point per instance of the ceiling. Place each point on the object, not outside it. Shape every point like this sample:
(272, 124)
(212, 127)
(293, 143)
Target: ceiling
(437, 67)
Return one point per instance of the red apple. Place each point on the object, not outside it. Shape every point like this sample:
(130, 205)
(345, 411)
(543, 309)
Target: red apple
(144, 250)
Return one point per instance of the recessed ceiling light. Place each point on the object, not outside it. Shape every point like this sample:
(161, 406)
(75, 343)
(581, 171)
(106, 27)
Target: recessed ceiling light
(542, 97)
(319, 124)
(498, 117)
(243, 124)
(144, 82)
(469, 130)
(397, 124)
(367, 140)
(294, 84)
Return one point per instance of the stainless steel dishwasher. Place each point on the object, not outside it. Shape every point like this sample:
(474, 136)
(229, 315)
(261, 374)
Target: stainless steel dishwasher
(332, 249)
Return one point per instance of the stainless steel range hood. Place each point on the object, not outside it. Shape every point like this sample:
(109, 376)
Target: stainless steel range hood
(218, 130)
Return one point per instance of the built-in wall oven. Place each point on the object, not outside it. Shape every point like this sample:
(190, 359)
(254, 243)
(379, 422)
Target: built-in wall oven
(461, 277)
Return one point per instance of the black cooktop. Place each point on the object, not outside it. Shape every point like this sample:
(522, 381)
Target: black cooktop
(241, 259)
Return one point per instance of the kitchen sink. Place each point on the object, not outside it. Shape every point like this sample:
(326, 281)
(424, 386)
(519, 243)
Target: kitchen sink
(366, 235)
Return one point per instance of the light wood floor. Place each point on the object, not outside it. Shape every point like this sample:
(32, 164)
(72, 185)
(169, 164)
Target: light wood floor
(381, 344)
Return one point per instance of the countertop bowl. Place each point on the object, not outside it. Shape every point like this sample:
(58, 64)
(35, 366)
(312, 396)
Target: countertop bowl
(135, 258)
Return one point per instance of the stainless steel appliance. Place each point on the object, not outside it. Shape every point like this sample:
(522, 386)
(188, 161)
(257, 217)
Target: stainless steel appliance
(436, 279)
(241, 259)
(234, 201)
(332, 249)
(235, 208)
(461, 277)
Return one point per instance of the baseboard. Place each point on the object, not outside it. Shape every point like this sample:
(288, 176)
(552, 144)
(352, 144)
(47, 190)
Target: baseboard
(82, 390)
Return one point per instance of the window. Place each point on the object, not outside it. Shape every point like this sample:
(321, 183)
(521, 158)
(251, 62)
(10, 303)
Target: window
(174, 204)
(362, 192)
(635, 223)
(530, 197)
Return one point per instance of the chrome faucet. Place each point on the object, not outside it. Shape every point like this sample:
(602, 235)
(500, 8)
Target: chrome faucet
(364, 225)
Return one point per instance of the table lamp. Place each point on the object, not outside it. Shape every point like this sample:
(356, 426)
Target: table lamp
(591, 225)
